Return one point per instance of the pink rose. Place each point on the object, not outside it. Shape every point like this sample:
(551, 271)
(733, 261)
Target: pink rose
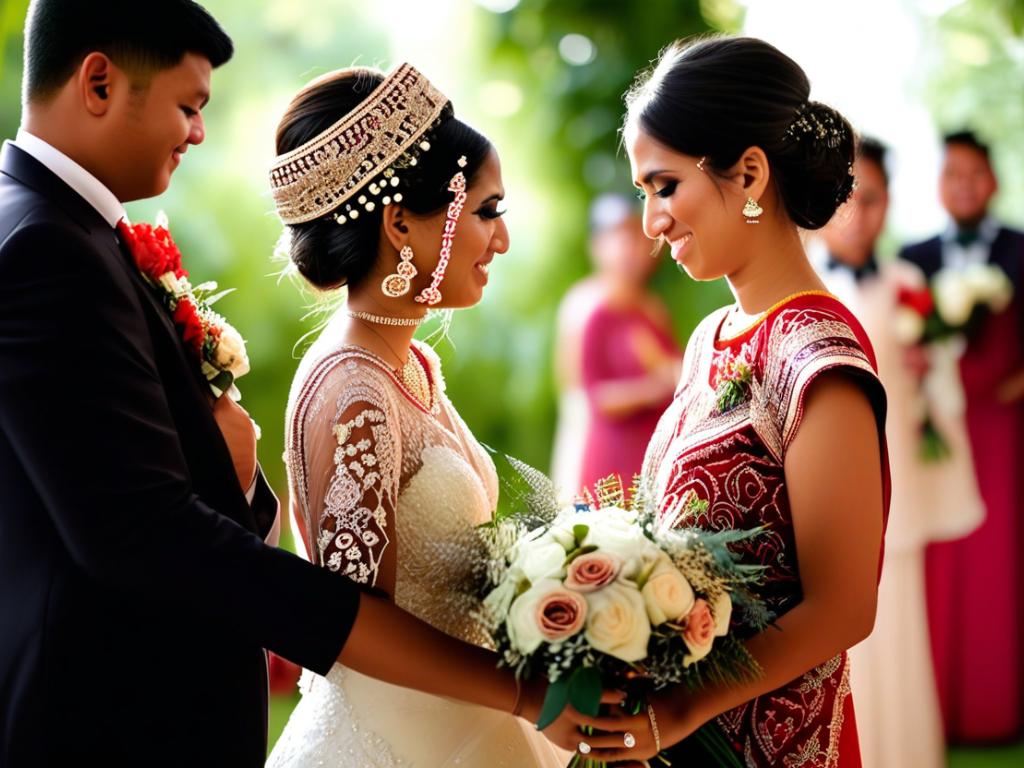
(698, 632)
(560, 614)
(592, 571)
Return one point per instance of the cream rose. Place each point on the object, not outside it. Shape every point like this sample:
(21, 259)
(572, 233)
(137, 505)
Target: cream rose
(544, 613)
(539, 559)
(230, 352)
(667, 594)
(907, 326)
(614, 531)
(592, 571)
(617, 623)
(954, 297)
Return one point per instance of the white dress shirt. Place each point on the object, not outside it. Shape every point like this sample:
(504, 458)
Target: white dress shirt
(74, 175)
(955, 256)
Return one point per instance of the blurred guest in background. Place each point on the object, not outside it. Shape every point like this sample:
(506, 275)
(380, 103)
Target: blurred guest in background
(621, 351)
(608, 313)
(978, 661)
(893, 683)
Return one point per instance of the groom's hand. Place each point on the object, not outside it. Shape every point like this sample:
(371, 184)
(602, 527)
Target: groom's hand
(236, 426)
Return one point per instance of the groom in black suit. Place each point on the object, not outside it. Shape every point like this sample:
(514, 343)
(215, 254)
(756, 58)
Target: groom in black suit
(136, 591)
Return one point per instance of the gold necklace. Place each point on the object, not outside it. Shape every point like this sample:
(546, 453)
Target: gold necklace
(734, 335)
(411, 374)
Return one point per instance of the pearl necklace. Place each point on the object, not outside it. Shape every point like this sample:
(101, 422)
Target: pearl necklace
(385, 320)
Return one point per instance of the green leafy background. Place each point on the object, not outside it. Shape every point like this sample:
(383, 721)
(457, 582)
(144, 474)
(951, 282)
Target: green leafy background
(555, 125)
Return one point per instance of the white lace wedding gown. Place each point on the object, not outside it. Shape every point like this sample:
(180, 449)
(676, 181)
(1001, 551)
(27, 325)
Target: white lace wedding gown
(370, 468)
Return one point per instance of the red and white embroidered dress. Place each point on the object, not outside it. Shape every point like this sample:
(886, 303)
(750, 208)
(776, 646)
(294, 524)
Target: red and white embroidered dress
(735, 461)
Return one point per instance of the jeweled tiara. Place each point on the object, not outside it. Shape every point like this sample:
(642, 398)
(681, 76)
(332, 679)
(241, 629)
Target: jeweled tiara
(321, 175)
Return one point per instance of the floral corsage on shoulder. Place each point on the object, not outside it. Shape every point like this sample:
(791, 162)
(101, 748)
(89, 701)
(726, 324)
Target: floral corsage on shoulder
(732, 385)
(216, 346)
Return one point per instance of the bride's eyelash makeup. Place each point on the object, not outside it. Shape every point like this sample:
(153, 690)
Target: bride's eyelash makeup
(491, 213)
(665, 191)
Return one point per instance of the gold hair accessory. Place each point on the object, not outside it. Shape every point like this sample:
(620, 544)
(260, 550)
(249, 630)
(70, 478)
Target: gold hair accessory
(399, 283)
(326, 172)
(752, 210)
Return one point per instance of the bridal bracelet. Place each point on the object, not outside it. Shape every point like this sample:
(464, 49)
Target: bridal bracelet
(654, 727)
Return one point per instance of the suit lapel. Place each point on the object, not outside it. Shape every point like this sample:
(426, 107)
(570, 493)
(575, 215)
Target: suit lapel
(205, 449)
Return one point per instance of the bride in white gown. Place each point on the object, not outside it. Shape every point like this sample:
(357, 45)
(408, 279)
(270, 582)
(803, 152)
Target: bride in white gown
(386, 479)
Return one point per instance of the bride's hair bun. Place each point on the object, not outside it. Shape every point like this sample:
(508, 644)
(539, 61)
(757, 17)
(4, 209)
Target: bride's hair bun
(330, 255)
(717, 96)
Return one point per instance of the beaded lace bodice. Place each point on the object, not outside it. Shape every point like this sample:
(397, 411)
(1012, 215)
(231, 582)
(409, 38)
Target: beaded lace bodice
(389, 492)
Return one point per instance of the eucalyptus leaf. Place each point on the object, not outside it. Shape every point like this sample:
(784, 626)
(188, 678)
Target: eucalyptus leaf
(555, 700)
(581, 551)
(585, 690)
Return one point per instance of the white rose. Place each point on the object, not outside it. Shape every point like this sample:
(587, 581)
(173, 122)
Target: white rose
(230, 352)
(525, 630)
(617, 622)
(170, 283)
(908, 326)
(954, 297)
(538, 559)
(990, 285)
(667, 594)
(616, 532)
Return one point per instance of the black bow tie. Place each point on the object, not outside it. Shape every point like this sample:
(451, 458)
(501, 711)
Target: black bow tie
(967, 237)
(868, 268)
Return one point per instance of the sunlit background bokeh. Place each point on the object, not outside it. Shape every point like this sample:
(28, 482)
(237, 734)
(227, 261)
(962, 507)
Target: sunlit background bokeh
(544, 78)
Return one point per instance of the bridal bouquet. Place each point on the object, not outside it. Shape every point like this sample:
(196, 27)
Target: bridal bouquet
(951, 305)
(596, 595)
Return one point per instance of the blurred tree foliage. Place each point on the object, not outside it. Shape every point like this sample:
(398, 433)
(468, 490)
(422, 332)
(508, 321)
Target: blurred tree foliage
(559, 146)
(972, 77)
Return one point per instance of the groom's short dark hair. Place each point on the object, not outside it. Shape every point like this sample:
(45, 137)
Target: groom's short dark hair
(142, 37)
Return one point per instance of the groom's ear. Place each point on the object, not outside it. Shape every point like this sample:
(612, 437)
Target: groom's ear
(95, 80)
(395, 227)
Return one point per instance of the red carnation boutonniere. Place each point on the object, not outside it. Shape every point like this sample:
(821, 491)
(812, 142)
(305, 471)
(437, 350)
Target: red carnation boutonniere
(217, 347)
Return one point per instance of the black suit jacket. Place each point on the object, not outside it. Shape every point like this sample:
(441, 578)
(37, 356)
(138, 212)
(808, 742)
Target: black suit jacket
(136, 594)
(1007, 251)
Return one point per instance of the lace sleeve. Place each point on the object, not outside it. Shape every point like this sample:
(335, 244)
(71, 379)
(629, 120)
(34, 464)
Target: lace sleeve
(352, 454)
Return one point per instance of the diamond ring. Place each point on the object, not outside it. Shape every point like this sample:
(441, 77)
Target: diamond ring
(629, 740)
(584, 748)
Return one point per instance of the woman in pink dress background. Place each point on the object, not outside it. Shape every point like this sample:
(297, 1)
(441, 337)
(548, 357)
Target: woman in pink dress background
(629, 360)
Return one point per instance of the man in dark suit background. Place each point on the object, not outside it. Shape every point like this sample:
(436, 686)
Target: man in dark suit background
(133, 568)
(979, 673)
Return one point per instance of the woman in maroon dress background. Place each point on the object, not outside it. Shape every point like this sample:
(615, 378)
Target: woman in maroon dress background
(779, 417)
(630, 362)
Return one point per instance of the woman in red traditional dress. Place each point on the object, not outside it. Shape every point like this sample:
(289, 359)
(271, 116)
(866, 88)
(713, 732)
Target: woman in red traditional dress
(778, 420)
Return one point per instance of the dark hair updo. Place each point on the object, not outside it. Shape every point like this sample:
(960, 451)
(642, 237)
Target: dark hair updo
(330, 255)
(718, 96)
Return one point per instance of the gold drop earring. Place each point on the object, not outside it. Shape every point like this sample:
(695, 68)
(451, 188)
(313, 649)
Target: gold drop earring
(399, 283)
(752, 210)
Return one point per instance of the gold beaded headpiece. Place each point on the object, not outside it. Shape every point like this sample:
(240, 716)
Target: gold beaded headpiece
(358, 151)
